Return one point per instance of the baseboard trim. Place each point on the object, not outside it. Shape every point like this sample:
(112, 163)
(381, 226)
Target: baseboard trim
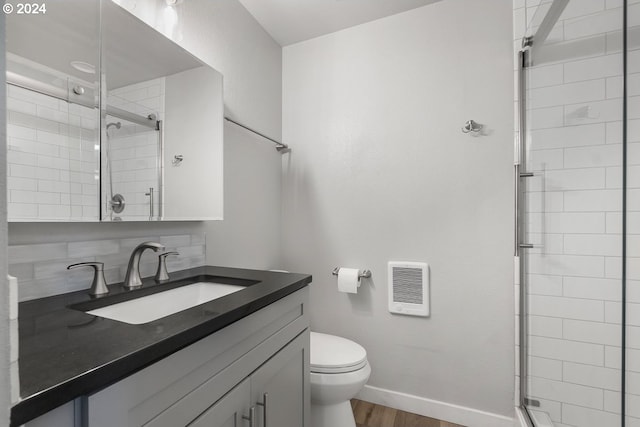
(433, 408)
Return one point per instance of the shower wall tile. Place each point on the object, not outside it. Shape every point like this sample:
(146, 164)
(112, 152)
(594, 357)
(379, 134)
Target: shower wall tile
(591, 332)
(566, 308)
(585, 417)
(41, 268)
(46, 140)
(592, 288)
(574, 206)
(571, 393)
(592, 201)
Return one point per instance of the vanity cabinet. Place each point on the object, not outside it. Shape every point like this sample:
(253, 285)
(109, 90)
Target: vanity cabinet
(258, 365)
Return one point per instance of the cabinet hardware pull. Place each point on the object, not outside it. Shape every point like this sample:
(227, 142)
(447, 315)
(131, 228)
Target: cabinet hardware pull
(251, 417)
(264, 408)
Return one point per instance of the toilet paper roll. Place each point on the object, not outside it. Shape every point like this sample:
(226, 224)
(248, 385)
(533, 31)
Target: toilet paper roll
(348, 280)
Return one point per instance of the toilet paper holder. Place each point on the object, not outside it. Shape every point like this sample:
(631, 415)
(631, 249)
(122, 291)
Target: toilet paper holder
(364, 275)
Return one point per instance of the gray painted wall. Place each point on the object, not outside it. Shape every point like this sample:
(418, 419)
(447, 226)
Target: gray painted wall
(381, 171)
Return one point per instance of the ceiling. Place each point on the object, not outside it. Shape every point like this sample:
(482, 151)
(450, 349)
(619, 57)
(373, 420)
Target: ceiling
(292, 21)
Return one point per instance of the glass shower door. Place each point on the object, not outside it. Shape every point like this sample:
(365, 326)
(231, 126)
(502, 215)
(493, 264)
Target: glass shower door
(571, 241)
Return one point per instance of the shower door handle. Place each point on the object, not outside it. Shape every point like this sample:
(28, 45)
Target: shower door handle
(150, 194)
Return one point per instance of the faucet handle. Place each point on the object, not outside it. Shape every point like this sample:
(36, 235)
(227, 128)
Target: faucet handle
(98, 285)
(162, 275)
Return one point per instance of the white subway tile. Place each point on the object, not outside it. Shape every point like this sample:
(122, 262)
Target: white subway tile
(633, 84)
(53, 186)
(18, 254)
(542, 118)
(54, 211)
(593, 244)
(633, 407)
(545, 326)
(565, 392)
(592, 376)
(633, 264)
(567, 222)
(633, 130)
(633, 337)
(595, 156)
(566, 308)
(15, 183)
(612, 312)
(52, 114)
(633, 153)
(548, 75)
(21, 171)
(575, 179)
(592, 288)
(93, 248)
(546, 243)
(593, 201)
(593, 112)
(21, 158)
(539, 160)
(614, 87)
(613, 267)
(545, 201)
(614, 132)
(593, 68)
(52, 138)
(587, 417)
(545, 284)
(582, 8)
(633, 314)
(598, 23)
(612, 357)
(592, 332)
(612, 401)
(545, 368)
(26, 107)
(22, 210)
(572, 93)
(20, 132)
(47, 173)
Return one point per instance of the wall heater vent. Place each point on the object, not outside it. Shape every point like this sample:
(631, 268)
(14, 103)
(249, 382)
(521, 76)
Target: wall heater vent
(409, 288)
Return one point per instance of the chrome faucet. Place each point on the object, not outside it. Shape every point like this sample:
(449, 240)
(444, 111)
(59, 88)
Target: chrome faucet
(132, 280)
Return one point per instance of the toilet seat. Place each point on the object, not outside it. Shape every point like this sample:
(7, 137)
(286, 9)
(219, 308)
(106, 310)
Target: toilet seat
(335, 355)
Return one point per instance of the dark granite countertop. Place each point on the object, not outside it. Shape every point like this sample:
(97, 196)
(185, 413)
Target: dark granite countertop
(66, 353)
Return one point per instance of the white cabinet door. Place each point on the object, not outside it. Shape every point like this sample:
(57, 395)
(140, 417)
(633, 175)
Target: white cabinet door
(280, 387)
(228, 411)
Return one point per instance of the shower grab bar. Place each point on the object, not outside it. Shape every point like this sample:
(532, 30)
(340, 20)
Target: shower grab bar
(281, 147)
(34, 85)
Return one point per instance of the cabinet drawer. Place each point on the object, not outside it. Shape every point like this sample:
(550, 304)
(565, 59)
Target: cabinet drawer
(210, 367)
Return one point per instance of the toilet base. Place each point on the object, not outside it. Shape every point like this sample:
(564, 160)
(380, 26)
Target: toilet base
(335, 415)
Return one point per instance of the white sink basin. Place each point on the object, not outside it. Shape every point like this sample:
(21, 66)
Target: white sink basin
(152, 307)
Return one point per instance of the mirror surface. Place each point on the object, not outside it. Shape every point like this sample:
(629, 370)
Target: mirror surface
(155, 138)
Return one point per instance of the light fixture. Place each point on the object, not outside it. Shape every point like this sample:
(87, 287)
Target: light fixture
(85, 67)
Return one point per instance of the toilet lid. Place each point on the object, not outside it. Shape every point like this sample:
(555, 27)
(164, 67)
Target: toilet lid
(333, 355)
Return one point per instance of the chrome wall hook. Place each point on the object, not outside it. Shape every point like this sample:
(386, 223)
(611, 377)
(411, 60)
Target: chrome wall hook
(177, 159)
(471, 126)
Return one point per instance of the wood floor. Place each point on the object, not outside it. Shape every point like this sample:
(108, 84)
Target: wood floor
(371, 415)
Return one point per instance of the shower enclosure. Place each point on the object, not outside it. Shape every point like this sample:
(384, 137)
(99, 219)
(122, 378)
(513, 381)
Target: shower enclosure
(577, 243)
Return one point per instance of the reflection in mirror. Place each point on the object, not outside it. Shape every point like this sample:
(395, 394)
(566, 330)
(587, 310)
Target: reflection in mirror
(90, 143)
(52, 130)
(167, 103)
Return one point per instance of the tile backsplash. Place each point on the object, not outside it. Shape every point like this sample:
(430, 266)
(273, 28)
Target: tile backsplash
(41, 269)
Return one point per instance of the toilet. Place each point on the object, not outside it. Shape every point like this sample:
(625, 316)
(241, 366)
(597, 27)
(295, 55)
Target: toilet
(339, 370)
